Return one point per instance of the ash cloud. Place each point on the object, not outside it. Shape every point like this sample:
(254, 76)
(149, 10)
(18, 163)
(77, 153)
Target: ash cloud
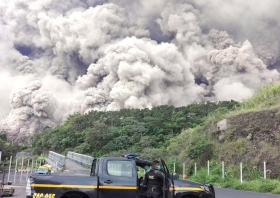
(81, 55)
(32, 108)
(139, 73)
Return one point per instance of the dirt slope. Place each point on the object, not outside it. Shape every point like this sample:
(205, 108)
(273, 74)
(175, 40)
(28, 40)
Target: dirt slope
(252, 138)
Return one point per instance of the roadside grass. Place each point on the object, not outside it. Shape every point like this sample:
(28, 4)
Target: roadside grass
(257, 185)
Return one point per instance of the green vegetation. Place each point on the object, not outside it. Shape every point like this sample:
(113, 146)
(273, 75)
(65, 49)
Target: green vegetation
(252, 181)
(147, 131)
(267, 96)
(9, 148)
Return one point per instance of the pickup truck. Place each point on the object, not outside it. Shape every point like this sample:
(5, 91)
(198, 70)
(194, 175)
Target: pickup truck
(117, 177)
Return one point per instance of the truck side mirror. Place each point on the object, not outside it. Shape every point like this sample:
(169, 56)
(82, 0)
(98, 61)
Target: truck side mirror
(175, 176)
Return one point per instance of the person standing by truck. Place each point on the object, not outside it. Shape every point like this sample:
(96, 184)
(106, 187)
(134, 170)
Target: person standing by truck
(153, 180)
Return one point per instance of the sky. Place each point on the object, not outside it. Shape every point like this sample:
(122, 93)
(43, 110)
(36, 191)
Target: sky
(75, 56)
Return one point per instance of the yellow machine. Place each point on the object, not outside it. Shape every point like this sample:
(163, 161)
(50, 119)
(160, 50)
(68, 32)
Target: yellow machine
(46, 166)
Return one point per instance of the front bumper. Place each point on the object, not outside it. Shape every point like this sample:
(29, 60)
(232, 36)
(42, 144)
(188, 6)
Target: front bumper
(209, 191)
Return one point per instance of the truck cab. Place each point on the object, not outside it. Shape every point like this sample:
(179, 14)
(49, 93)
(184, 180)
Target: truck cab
(112, 177)
(127, 173)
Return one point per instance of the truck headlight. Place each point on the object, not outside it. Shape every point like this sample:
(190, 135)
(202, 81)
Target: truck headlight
(208, 188)
(28, 188)
(205, 188)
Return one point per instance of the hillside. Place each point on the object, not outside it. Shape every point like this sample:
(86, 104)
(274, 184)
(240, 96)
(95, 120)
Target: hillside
(249, 134)
(248, 137)
(147, 131)
(252, 138)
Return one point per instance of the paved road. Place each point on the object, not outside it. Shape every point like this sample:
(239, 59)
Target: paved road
(73, 168)
(229, 193)
(16, 178)
(18, 181)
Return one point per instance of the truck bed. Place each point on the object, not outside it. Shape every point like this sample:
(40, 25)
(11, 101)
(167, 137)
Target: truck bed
(63, 179)
(58, 185)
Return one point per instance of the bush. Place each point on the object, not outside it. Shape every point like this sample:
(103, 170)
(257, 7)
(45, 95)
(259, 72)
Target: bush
(267, 96)
(276, 190)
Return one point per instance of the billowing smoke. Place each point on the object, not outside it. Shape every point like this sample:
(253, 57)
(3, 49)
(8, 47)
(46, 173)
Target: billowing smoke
(32, 108)
(60, 57)
(235, 70)
(139, 73)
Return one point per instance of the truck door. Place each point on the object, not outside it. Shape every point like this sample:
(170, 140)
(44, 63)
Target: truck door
(94, 167)
(168, 191)
(118, 179)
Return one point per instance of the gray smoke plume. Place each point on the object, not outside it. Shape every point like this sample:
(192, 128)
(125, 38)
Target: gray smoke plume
(139, 73)
(237, 72)
(32, 108)
(60, 57)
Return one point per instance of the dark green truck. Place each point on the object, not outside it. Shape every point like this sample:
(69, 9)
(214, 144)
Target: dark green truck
(116, 177)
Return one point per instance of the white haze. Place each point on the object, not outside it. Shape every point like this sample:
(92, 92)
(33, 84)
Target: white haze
(60, 57)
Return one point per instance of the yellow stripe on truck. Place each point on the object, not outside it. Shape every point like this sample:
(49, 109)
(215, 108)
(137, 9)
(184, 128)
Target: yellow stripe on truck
(83, 186)
(62, 186)
(118, 187)
(187, 188)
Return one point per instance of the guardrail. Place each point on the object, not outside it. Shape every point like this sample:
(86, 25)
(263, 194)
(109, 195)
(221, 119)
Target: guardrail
(57, 160)
(85, 160)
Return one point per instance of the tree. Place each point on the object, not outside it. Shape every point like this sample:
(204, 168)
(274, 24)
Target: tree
(98, 136)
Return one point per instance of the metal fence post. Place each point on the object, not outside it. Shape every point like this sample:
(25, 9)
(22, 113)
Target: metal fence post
(21, 169)
(241, 172)
(10, 168)
(223, 170)
(31, 166)
(27, 169)
(15, 171)
(184, 171)
(194, 168)
(208, 167)
(264, 170)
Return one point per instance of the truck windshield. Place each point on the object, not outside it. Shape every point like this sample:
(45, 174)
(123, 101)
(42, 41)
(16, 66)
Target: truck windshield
(120, 168)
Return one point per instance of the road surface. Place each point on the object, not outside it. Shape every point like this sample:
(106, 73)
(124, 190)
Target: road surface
(229, 193)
